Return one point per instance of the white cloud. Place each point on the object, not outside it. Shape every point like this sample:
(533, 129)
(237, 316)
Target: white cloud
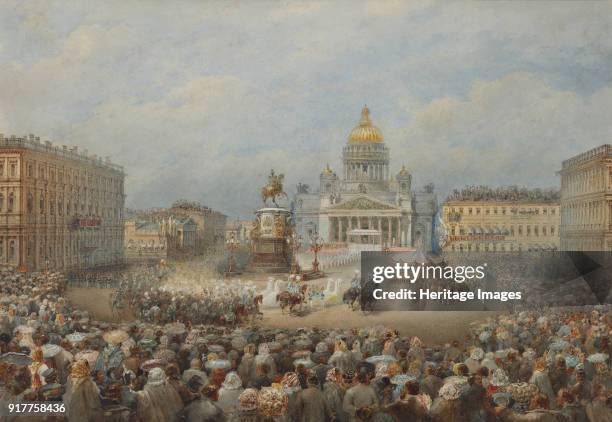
(514, 130)
(202, 98)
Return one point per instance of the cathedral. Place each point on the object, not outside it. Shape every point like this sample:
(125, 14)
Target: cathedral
(365, 204)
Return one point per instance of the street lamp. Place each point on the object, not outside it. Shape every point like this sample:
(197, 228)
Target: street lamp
(232, 246)
(295, 241)
(316, 245)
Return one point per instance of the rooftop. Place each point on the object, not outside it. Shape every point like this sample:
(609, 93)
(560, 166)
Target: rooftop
(601, 151)
(34, 143)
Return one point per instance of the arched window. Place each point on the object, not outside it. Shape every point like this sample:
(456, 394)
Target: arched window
(11, 202)
(1, 202)
(42, 203)
(12, 249)
(30, 202)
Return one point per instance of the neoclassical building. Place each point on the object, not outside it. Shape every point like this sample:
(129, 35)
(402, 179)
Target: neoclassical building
(60, 208)
(502, 223)
(365, 204)
(586, 201)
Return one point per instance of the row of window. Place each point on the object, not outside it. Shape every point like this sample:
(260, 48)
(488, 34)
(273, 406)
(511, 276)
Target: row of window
(494, 247)
(527, 230)
(71, 207)
(504, 210)
(77, 179)
(588, 180)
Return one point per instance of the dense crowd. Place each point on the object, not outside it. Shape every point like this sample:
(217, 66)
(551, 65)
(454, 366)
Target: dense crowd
(523, 366)
(507, 193)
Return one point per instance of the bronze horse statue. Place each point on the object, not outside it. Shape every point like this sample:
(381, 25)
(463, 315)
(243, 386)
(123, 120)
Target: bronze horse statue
(273, 189)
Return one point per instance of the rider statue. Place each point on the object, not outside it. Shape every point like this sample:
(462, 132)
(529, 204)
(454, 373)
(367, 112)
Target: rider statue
(273, 189)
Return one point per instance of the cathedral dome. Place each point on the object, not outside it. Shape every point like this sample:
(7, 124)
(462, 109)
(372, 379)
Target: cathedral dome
(365, 131)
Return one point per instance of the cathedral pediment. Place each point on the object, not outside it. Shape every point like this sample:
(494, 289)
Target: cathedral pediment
(363, 203)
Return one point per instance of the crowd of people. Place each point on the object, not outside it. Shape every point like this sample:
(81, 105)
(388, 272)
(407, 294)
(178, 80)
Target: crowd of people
(507, 193)
(525, 366)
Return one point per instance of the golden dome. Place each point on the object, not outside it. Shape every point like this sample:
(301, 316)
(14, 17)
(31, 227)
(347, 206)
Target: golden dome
(365, 131)
(404, 171)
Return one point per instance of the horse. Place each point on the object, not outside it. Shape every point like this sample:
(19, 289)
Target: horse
(273, 189)
(351, 296)
(257, 301)
(291, 299)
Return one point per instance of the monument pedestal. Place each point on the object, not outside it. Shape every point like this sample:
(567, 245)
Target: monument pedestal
(270, 251)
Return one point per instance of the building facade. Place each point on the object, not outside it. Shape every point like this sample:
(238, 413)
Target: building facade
(504, 220)
(210, 224)
(145, 240)
(59, 208)
(365, 204)
(239, 230)
(586, 201)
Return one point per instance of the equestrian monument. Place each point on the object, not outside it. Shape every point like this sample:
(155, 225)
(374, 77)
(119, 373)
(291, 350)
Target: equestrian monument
(272, 228)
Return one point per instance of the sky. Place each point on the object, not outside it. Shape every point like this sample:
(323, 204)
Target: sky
(200, 99)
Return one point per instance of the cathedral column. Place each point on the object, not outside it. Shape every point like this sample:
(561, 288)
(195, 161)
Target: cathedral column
(399, 231)
(336, 228)
(389, 230)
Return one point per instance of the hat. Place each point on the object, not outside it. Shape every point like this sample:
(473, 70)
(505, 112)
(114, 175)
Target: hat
(598, 357)
(79, 369)
(115, 336)
(451, 391)
(248, 399)
(272, 402)
(50, 350)
(232, 382)
(522, 392)
(499, 378)
(290, 382)
(156, 377)
(477, 354)
(75, 337)
(91, 356)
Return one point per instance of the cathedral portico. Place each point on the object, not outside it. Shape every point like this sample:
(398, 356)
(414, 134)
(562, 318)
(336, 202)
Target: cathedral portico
(364, 205)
